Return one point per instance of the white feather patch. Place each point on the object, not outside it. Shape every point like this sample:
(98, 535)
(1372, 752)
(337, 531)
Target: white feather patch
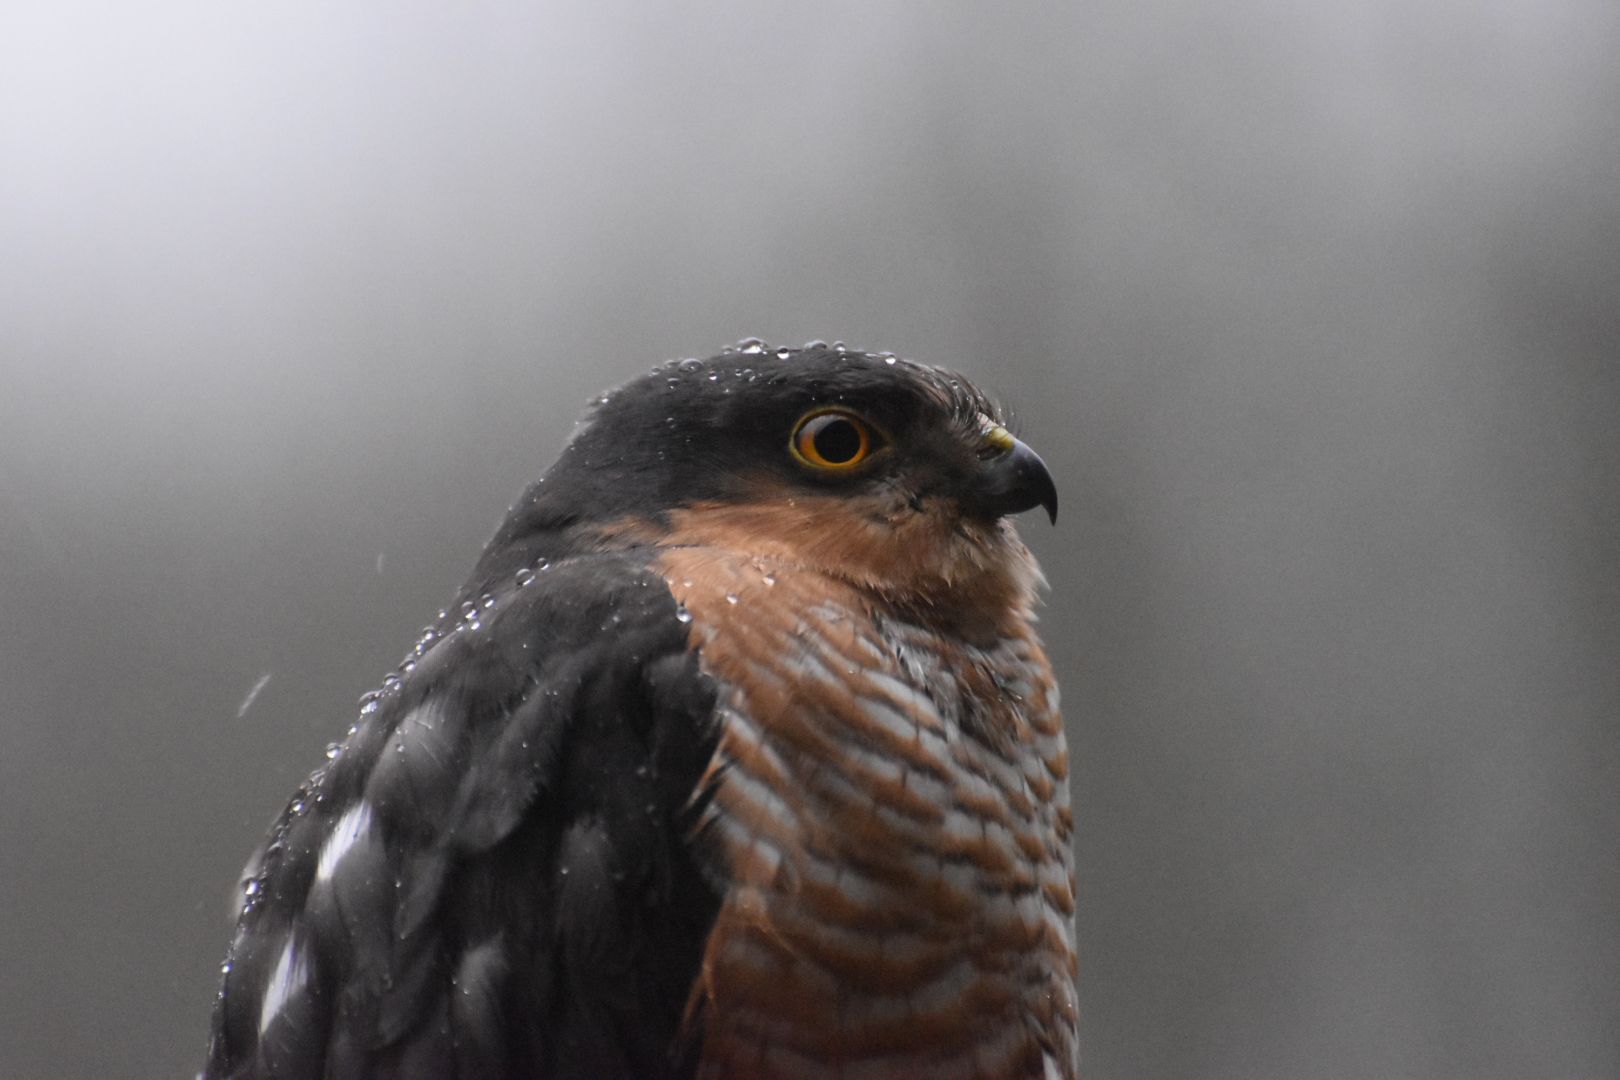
(350, 828)
(292, 971)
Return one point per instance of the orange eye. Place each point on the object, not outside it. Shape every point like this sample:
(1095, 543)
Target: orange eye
(833, 439)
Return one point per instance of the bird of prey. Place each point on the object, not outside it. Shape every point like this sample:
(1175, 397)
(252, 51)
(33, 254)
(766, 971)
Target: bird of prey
(737, 756)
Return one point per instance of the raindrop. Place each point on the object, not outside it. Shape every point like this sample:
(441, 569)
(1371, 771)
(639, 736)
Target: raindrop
(769, 578)
(753, 346)
(525, 577)
(225, 968)
(333, 750)
(815, 343)
(888, 360)
(682, 615)
(390, 682)
(251, 887)
(673, 382)
(368, 702)
(731, 598)
(487, 600)
(468, 609)
(252, 695)
(783, 353)
(839, 346)
(690, 364)
(715, 377)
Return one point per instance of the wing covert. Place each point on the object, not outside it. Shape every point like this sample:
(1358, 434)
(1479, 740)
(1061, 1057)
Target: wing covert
(492, 876)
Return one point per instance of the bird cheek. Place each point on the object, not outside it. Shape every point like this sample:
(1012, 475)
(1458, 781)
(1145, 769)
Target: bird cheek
(901, 500)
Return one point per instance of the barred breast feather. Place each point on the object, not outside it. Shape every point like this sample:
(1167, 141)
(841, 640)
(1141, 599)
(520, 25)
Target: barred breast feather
(890, 804)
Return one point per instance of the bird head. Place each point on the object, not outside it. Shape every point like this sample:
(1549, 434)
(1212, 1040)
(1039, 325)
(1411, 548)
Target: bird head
(894, 475)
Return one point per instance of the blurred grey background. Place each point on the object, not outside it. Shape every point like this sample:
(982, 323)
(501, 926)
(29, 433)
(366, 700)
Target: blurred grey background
(1314, 310)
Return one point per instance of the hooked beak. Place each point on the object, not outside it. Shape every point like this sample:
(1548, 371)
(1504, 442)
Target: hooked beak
(1014, 480)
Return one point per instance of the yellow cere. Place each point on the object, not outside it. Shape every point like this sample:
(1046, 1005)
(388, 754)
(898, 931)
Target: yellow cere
(997, 436)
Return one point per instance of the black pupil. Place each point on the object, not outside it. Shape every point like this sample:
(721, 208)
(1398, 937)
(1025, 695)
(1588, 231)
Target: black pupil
(837, 441)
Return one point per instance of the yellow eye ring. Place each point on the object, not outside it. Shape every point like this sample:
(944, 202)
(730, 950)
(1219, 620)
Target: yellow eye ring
(833, 440)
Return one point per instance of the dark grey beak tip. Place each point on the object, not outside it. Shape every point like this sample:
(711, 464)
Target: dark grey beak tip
(1046, 489)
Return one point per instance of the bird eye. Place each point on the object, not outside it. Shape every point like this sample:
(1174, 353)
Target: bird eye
(833, 439)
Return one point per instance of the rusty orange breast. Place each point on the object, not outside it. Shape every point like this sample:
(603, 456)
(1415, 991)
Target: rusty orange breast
(890, 805)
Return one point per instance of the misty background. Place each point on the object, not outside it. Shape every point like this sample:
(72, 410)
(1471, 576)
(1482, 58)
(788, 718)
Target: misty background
(1313, 309)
